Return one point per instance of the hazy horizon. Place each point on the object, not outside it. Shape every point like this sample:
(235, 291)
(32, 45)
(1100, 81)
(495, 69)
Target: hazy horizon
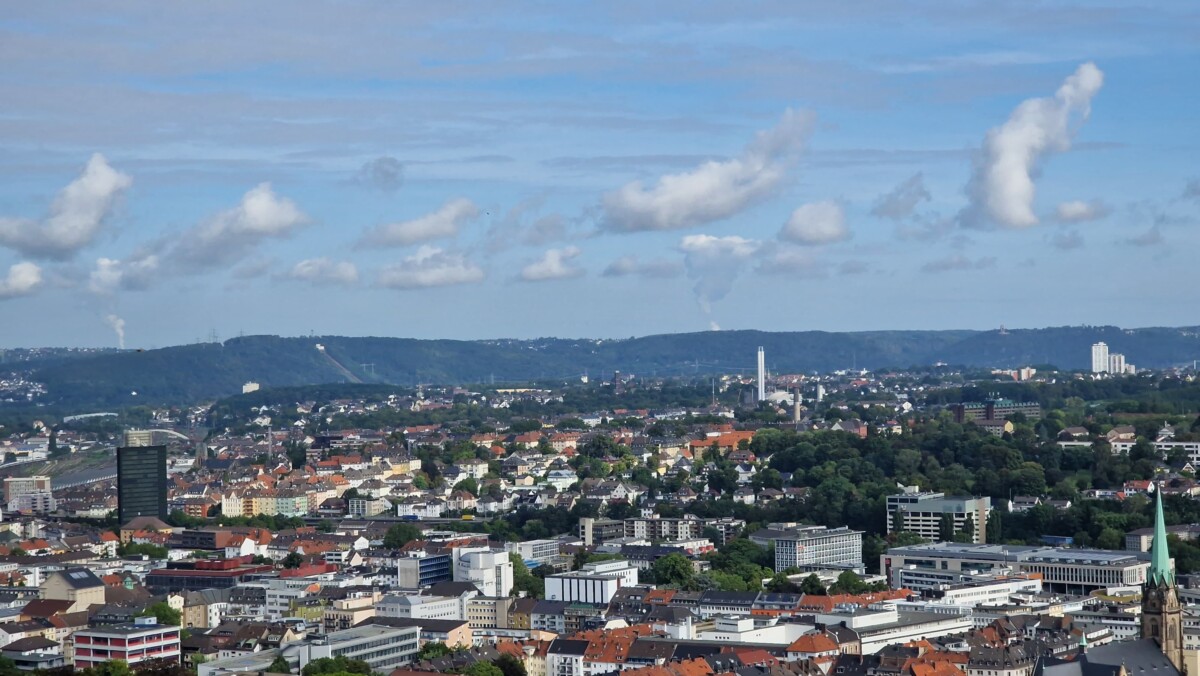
(223, 338)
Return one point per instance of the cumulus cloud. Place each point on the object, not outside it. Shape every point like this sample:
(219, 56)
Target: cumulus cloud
(22, 279)
(714, 190)
(134, 273)
(232, 234)
(430, 267)
(76, 216)
(1078, 211)
(957, 262)
(385, 174)
(324, 271)
(554, 264)
(441, 224)
(1066, 241)
(715, 263)
(816, 223)
(1001, 189)
(900, 202)
(632, 266)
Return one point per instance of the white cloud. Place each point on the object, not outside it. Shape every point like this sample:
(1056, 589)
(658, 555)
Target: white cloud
(632, 266)
(385, 174)
(1078, 211)
(715, 263)
(714, 190)
(324, 271)
(430, 267)
(957, 262)
(901, 201)
(441, 224)
(135, 273)
(554, 264)
(1001, 189)
(816, 223)
(76, 216)
(232, 234)
(22, 279)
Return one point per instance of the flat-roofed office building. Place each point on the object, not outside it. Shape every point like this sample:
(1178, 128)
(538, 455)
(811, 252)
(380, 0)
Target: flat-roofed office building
(922, 512)
(1072, 571)
(802, 546)
(141, 482)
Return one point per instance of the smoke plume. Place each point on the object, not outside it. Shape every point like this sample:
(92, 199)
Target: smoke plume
(118, 326)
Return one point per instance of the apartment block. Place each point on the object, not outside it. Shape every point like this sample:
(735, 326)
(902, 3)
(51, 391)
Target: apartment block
(16, 486)
(686, 528)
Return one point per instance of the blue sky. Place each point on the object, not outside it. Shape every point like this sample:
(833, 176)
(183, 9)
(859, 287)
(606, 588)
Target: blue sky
(465, 170)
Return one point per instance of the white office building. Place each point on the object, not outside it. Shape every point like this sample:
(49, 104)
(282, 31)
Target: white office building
(594, 583)
(1164, 448)
(536, 551)
(993, 592)
(800, 546)
(383, 648)
(1071, 571)
(1100, 363)
(919, 512)
(415, 607)
(490, 571)
(878, 628)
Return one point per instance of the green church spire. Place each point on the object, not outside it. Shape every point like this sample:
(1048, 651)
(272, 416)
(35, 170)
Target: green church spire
(1160, 559)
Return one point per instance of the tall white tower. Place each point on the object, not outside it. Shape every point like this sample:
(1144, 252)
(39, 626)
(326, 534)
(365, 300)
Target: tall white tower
(762, 375)
(1100, 358)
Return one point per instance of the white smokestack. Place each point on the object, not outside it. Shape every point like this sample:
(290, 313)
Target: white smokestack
(118, 326)
(762, 375)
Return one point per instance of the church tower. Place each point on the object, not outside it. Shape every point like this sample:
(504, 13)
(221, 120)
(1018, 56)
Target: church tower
(1162, 616)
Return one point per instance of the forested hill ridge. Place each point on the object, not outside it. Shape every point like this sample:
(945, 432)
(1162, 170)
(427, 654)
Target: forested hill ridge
(189, 373)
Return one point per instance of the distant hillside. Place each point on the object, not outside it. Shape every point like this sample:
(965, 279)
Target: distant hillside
(196, 372)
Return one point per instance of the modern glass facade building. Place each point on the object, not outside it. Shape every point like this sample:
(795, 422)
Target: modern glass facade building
(141, 482)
